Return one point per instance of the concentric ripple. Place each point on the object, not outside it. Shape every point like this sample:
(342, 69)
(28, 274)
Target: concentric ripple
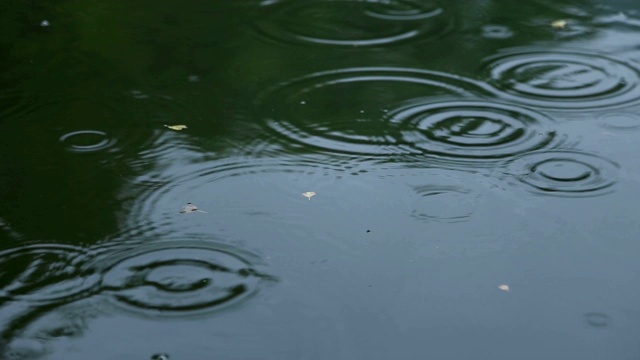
(472, 129)
(87, 141)
(344, 110)
(564, 173)
(181, 277)
(620, 121)
(563, 79)
(353, 22)
(119, 123)
(446, 195)
(45, 273)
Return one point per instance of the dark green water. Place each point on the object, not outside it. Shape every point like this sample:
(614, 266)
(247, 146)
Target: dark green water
(475, 165)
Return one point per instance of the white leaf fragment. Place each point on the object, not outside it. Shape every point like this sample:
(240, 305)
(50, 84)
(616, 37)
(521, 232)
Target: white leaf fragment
(190, 208)
(309, 194)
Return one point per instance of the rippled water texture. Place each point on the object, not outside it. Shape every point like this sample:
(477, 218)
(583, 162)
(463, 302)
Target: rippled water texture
(179, 277)
(563, 79)
(350, 23)
(320, 179)
(564, 173)
(318, 112)
(46, 273)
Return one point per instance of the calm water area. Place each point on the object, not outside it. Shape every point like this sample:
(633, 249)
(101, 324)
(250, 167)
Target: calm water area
(310, 179)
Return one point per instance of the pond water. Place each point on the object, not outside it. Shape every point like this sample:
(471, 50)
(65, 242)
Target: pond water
(383, 179)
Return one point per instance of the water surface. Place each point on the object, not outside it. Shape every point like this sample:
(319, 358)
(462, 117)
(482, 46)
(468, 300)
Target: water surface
(474, 162)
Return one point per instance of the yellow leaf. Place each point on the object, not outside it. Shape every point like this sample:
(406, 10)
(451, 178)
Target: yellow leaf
(559, 24)
(176, 127)
(309, 194)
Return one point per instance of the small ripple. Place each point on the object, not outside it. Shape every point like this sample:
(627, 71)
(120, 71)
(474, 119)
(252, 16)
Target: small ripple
(353, 23)
(620, 121)
(45, 273)
(563, 79)
(120, 124)
(180, 277)
(87, 141)
(447, 196)
(597, 319)
(564, 173)
(343, 111)
(472, 129)
(496, 32)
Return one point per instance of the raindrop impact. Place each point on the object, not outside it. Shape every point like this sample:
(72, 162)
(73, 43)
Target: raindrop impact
(620, 121)
(180, 277)
(596, 319)
(564, 173)
(472, 129)
(496, 32)
(345, 110)
(87, 141)
(352, 23)
(46, 273)
(442, 203)
(563, 79)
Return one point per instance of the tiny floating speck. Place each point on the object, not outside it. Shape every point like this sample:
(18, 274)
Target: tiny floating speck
(176, 127)
(504, 287)
(190, 208)
(309, 194)
(44, 23)
(559, 24)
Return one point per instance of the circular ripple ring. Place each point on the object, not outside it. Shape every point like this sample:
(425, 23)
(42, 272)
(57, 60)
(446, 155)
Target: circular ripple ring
(563, 79)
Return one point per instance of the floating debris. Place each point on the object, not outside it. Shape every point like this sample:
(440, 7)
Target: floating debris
(559, 24)
(176, 127)
(309, 194)
(504, 287)
(44, 23)
(190, 208)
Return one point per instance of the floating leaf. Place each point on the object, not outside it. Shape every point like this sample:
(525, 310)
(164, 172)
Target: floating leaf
(309, 194)
(559, 24)
(190, 208)
(176, 127)
(504, 287)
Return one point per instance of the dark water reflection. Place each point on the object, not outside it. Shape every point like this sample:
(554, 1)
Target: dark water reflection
(454, 148)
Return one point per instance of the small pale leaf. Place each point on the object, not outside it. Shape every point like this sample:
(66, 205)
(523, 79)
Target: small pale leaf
(190, 208)
(309, 194)
(176, 127)
(559, 24)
